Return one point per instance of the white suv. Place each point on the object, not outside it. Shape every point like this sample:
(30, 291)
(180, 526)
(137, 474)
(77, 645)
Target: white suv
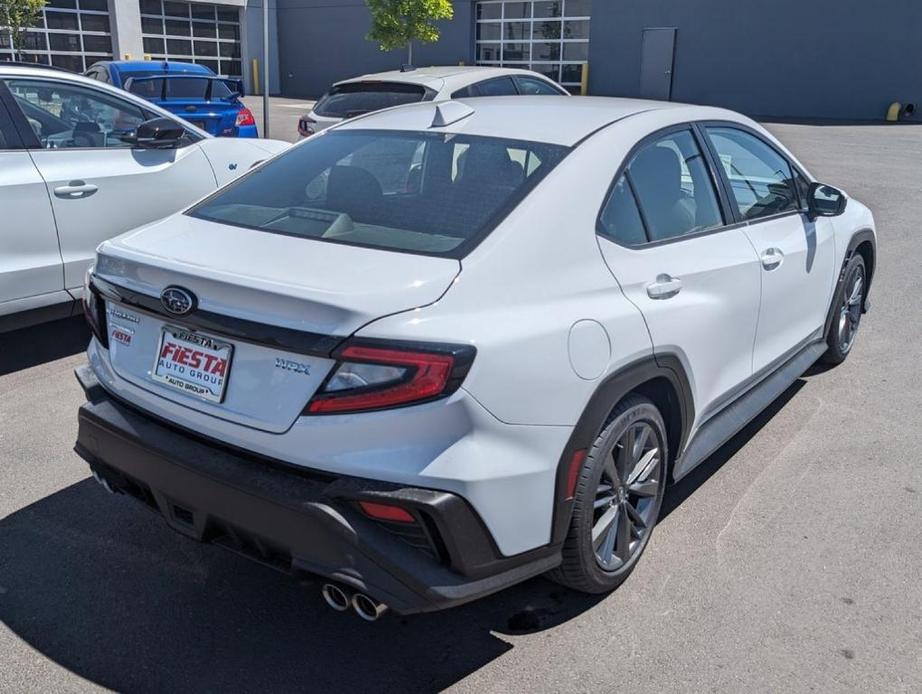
(81, 162)
(442, 348)
(361, 95)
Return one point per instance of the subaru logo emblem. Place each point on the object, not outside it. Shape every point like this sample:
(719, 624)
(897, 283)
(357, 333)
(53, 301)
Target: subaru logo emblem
(177, 300)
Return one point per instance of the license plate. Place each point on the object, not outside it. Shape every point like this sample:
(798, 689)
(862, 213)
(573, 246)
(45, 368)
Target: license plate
(199, 124)
(193, 363)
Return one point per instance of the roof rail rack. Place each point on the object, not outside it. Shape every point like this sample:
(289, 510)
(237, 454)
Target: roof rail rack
(40, 66)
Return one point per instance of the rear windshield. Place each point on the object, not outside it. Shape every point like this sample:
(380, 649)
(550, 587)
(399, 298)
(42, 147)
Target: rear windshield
(180, 88)
(356, 98)
(427, 193)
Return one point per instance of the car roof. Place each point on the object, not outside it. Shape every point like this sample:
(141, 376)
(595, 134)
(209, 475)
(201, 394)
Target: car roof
(127, 66)
(547, 119)
(439, 77)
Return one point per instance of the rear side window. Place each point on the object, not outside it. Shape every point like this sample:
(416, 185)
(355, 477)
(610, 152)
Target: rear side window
(761, 179)
(5, 127)
(427, 193)
(674, 192)
(620, 220)
(530, 86)
(498, 86)
(356, 98)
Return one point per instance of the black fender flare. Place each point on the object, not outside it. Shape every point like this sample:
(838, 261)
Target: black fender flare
(857, 239)
(608, 393)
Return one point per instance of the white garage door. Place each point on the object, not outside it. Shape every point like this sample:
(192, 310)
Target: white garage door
(193, 32)
(72, 34)
(548, 36)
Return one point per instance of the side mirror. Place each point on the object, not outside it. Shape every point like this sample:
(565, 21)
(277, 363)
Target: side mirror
(156, 133)
(825, 201)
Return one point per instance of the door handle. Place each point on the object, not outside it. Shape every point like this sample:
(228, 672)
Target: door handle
(75, 190)
(772, 258)
(665, 287)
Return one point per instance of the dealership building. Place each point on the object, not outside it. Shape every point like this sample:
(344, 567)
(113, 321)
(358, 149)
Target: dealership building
(828, 59)
(74, 34)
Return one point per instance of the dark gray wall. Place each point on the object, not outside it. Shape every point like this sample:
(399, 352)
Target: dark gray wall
(323, 41)
(837, 59)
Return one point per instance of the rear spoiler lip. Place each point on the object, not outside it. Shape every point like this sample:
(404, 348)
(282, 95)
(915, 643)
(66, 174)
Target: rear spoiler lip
(264, 334)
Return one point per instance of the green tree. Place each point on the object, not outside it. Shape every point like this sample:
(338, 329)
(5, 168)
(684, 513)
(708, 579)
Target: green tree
(398, 23)
(16, 16)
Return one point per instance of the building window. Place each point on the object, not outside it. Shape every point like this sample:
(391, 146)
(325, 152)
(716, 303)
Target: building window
(547, 36)
(72, 34)
(199, 33)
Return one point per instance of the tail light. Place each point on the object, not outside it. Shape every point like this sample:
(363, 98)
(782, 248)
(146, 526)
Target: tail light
(94, 309)
(306, 126)
(378, 376)
(245, 117)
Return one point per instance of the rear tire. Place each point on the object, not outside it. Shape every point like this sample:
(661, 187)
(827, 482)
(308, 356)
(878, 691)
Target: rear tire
(618, 497)
(849, 305)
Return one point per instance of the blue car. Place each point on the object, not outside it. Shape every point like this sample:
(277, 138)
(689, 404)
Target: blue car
(192, 92)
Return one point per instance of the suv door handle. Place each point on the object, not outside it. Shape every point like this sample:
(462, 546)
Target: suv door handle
(75, 190)
(665, 287)
(772, 258)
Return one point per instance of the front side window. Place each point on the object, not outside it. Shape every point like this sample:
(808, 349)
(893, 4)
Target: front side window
(356, 98)
(761, 179)
(674, 192)
(803, 188)
(68, 116)
(429, 193)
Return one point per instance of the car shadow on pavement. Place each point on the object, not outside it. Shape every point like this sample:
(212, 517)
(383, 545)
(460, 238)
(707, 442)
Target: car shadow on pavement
(101, 587)
(40, 344)
(680, 491)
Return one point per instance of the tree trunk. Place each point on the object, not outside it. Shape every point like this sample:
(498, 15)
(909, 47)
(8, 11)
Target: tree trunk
(410, 57)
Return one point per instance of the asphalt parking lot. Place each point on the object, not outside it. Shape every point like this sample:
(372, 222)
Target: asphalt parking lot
(790, 561)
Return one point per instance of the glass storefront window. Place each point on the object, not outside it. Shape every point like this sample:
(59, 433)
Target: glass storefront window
(199, 33)
(72, 34)
(548, 36)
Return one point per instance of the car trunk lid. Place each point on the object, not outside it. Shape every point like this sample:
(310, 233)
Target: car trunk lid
(279, 303)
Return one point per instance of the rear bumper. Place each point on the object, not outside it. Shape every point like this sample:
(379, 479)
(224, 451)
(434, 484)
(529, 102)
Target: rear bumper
(297, 520)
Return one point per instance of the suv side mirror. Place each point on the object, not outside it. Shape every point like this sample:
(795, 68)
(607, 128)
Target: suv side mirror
(825, 201)
(156, 133)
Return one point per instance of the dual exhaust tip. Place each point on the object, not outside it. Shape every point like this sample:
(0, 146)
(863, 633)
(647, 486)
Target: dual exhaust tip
(364, 606)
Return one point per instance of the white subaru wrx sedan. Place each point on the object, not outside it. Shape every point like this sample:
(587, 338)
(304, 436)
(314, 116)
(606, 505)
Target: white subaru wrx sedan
(440, 349)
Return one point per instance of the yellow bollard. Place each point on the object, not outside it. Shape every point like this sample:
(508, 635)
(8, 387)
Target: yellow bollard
(584, 81)
(893, 113)
(255, 74)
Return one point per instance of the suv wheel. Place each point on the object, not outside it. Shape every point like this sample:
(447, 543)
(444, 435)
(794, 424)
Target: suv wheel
(618, 498)
(849, 303)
